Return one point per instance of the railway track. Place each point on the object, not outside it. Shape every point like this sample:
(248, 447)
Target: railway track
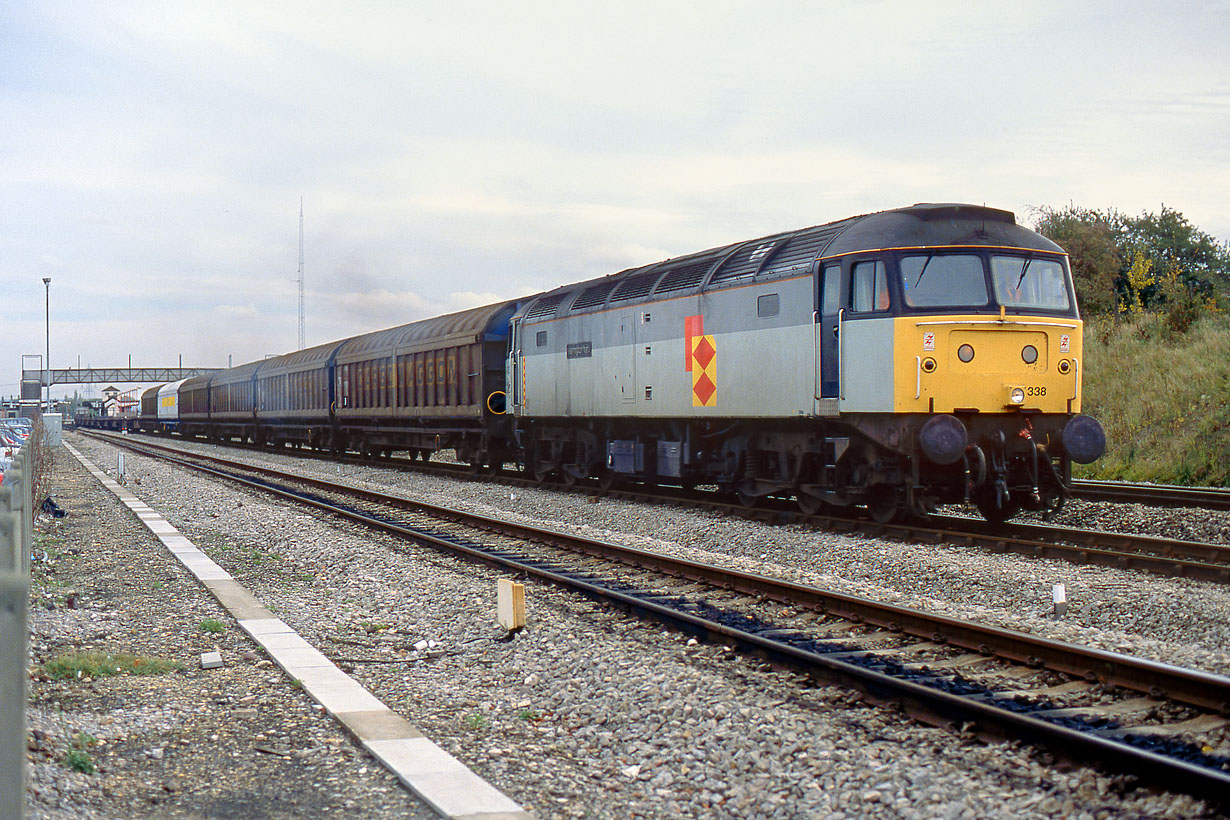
(1161, 556)
(1141, 717)
(1158, 495)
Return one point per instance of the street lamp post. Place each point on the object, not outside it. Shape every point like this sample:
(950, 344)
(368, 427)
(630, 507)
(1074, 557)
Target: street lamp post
(47, 288)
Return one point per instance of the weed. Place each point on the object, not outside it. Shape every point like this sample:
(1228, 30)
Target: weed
(213, 626)
(79, 760)
(529, 714)
(78, 756)
(474, 721)
(75, 665)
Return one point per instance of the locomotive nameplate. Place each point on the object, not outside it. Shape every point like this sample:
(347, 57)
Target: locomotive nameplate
(581, 350)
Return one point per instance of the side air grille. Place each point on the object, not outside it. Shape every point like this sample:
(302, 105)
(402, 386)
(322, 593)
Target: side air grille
(593, 295)
(801, 250)
(687, 275)
(748, 259)
(634, 287)
(546, 306)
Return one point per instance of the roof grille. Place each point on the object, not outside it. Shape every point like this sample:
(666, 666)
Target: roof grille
(593, 295)
(545, 306)
(686, 275)
(634, 287)
(801, 250)
(748, 259)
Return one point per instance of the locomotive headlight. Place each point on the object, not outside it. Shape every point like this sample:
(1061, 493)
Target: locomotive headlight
(1029, 354)
(1017, 395)
(965, 353)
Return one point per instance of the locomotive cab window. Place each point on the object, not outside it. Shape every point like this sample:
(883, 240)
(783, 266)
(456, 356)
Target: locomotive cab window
(943, 280)
(540, 339)
(831, 299)
(1030, 283)
(869, 287)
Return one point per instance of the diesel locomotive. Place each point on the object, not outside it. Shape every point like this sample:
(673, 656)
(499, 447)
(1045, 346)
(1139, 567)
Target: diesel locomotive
(897, 361)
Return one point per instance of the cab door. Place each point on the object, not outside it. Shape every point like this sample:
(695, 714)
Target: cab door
(829, 331)
(513, 370)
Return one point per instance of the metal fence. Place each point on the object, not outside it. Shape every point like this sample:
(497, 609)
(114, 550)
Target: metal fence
(16, 525)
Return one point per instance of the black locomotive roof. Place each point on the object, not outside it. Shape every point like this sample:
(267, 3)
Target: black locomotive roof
(793, 252)
(928, 225)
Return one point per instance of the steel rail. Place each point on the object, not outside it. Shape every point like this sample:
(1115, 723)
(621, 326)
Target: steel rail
(1161, 495)
(1162, 556)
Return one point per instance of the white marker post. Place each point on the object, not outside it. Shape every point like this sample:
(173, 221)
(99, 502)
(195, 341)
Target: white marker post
(510, 604)
(1060, 598)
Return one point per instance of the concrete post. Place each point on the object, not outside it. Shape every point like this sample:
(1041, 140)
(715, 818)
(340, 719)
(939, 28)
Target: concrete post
(14, 597)
(16, 495)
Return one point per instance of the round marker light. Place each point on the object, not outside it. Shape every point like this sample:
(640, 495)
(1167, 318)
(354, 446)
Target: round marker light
(928, 365)
(965, 353)
(1017, 396)
(1029, 354)
(1064, 366)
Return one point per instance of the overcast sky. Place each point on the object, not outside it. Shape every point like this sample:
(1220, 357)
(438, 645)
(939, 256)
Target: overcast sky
(449, 154)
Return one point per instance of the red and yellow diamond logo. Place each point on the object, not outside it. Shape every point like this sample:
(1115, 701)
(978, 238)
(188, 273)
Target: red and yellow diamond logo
(704, 371)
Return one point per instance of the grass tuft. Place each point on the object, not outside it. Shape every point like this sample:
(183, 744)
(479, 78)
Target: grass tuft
(213, 626)
(78, 756)
(75, 665)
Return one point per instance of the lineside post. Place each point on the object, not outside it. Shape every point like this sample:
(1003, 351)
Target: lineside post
(16, 494)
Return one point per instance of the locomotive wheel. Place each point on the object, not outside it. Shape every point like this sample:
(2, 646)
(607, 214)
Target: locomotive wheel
(809, 504)
(569, 478)
(883, 504)
(747, 499)
(994, 512)
(607, 480)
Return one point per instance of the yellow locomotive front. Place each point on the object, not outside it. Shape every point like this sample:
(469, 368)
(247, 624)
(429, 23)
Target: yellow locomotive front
(978, 357)
(987, 350)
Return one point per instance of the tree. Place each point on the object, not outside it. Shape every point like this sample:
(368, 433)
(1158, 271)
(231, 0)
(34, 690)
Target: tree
(1091, 241)
(1150, 262)
(1138, 279)
(1173, 243)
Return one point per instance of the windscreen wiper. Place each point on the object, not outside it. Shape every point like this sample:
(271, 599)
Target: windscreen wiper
(1024, 268)
(930, 256)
